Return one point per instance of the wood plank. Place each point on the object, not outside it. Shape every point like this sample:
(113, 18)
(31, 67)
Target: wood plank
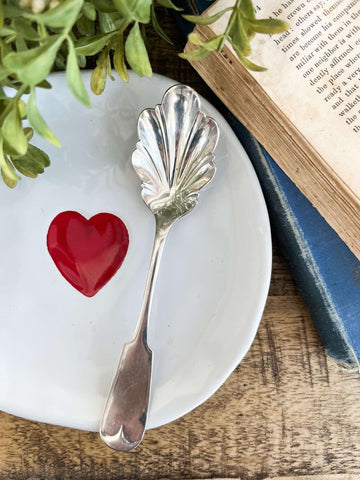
(303, 477)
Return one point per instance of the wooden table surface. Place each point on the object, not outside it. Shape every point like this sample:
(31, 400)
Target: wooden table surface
(286, 412)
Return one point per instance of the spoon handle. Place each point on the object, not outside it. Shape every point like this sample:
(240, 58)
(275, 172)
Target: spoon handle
(123, 422)
(125, 414)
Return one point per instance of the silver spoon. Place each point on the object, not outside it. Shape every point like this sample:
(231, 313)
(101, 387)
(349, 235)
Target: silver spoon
(174, 159)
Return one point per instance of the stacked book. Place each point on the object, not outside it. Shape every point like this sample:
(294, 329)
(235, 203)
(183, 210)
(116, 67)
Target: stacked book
(299, 122)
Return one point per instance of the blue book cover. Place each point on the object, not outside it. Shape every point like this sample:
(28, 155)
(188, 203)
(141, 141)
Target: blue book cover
(325, 270)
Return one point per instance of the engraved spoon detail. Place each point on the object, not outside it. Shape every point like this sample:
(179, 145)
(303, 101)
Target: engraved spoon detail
(174, 159)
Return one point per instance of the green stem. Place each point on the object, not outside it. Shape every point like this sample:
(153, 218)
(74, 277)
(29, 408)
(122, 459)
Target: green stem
(123, 27)
(20, 92)
(6, 112)
(116, 38)
(10, 39)
(42, 31)
(8, 109)
(229, 25)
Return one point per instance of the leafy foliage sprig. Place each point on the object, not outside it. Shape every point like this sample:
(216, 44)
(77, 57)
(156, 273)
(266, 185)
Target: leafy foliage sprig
(240, 30)
(37, 36)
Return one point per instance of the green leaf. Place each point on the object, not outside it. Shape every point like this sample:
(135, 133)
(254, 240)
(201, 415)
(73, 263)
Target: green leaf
(8, 150)
(64, 15)
(44, 84)
(157, 26)
(33, 66)
(104, 5)
(197, 54)
(1, 15)
(23, 27)
(134, 10)
(20, 44)
(136, 53)
(112, 22)
(7, 170)
(73, 76)
(8, 173)
(119, 60)
(194, 39)
(37, 122)
(60, 62)
(239, 36)
(81, 59)
(211, 44)
(106, 22)
(5, 31)
(205, 20)
(4, 73)
(248, 63)
(29, 132)
(268, 25)
(92, 45)
(108, 65)
(169, 4)
(22, 108)
(10, 11)
(89, 11)
(12, 131)
(85, 26)
(32, 163)
(99, 74)
(247, 8)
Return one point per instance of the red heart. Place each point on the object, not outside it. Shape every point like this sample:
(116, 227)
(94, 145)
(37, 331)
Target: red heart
(87, 252)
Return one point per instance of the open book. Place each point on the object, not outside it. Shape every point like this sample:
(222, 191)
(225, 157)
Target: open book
(305, 109)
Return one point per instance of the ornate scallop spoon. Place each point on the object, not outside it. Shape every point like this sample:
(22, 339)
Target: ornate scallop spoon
(174, 159)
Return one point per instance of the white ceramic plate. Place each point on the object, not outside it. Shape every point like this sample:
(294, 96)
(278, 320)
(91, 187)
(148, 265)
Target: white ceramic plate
(58, 348)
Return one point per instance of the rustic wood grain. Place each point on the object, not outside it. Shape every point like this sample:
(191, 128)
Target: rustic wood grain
(287, 412)
(306, 477)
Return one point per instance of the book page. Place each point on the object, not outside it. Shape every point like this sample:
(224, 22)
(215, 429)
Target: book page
(314, 74)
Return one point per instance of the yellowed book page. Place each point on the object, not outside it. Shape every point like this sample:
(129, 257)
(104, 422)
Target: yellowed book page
(314, 74)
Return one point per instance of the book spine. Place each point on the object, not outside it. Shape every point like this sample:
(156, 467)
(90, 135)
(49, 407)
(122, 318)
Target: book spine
(293, 243)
